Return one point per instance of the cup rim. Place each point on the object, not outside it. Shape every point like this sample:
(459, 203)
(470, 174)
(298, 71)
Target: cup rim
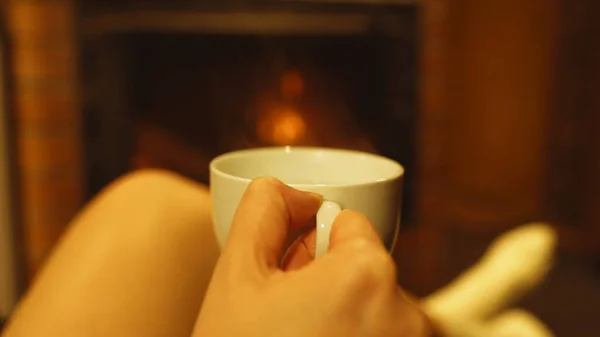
(397, 174)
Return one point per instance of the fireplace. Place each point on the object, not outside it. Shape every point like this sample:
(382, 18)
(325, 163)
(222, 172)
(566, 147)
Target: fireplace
(172, 86)
(173, 83)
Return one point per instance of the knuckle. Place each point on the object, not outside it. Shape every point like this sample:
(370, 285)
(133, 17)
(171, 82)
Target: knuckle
(361, 246)
(351, 226)
(265, 195)
(369, 265)
(264, 183)
(350, 222)
(383, 262)
(354, 218)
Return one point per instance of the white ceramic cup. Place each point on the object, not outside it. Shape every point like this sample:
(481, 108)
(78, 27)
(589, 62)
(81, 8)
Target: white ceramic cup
(359, 181)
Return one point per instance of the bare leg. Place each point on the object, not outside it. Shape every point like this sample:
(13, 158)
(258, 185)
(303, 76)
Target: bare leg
(138, 259)
(135, 262)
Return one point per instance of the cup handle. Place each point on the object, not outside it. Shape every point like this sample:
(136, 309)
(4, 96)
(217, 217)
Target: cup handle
(325, 216)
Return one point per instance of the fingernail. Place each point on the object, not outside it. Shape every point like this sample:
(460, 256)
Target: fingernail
(316, 195)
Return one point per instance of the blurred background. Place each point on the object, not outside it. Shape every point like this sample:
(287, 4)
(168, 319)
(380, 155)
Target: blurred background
(492, 107)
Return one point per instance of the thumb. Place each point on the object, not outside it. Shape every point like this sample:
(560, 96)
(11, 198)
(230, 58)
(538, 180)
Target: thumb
(267, 212)
(349, 227)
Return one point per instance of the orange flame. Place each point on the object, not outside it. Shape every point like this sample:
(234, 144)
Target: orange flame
(284, 126)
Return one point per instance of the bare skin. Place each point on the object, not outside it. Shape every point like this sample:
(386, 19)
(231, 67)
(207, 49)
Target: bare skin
(350, 291)
(138, 259)
(135, 262)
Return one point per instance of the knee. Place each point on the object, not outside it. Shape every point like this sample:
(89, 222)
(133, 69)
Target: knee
(157, 193)
(146, 179)
(155, 184)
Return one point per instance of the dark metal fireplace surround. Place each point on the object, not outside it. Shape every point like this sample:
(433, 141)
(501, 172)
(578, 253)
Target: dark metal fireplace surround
(204, 73)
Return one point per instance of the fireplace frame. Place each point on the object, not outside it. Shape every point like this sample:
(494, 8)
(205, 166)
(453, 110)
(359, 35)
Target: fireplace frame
(105, 30)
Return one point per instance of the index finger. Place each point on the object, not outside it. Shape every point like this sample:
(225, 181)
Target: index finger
(268, 210)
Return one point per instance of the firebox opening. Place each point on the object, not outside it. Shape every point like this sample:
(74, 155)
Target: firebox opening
(194, 97)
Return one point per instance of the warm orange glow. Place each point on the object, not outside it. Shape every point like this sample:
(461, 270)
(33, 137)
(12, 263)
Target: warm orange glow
(292, 84)
(282, 127)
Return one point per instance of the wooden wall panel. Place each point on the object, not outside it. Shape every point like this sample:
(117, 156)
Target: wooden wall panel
(500, 77)
(492, 122)
(487, 80)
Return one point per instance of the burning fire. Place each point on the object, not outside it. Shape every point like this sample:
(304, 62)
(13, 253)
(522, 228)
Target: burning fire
(283, 124)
